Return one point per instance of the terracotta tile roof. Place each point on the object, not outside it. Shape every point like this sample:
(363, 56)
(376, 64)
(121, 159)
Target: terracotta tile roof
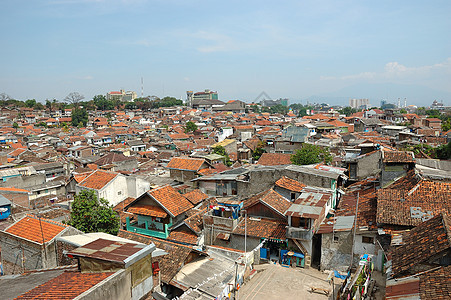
(171, 200)
(8, 189)
(124, 204)
(112, 157)
(188, 164)
(436, 284)
(252, 143)
(68, 285)
(275, 201)
(29, 228)
(17, 152)
(422, 244)
(290, 184)
(147, 210)
(179, 136)
(183, 235)
(80, 177)
(274, 159)
(98, 179)
(398, 157)
(263, 228)
(408, 207)
(195, 221)
(196, 196)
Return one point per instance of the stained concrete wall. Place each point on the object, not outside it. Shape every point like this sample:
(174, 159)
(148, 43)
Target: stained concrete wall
(336, 254)
(369, 165)
(392, 171)
(261, 180)
(117, 286)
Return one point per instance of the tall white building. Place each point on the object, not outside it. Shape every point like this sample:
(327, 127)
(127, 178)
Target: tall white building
(359, 103)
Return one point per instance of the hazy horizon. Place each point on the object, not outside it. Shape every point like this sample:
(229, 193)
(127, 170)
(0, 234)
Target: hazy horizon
(298, 50)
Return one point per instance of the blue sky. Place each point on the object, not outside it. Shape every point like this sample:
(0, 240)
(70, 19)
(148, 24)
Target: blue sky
(292, 49)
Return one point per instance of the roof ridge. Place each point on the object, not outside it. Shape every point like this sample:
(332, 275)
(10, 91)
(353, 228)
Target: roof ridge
(46, 220)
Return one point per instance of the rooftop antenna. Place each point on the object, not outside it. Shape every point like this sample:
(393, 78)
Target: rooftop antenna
(142, 87)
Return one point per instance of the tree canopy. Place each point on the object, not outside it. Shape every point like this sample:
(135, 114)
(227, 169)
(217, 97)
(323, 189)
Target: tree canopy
(190, 127)
(220, 150)
(311, 154)
(90, 214)
(79, 117)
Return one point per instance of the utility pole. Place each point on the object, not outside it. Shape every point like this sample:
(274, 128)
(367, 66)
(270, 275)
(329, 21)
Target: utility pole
(355, 228)
(245, 232)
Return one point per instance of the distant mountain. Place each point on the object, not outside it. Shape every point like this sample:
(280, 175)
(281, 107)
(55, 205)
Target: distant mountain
(415, 94)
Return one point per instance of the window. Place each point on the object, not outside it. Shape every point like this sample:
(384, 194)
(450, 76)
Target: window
(119, 193)
(293, 196)
(335, 238)
(367, 240)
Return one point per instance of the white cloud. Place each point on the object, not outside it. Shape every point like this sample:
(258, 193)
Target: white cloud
(395, 70)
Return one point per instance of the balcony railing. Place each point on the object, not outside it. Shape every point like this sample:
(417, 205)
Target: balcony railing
(299, 233)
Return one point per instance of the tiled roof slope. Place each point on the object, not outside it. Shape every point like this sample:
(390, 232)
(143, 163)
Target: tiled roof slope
(183, 235)
(276, 201)
(421, 243)
(188, 164)
(66, 286)
(398, 157)
(395, 206)
(196, 196)
(30, 226)
(148, 210)
(290, 184)
(171, 200)
(263, 228)
(98, 179)
(436, 284)
(171, 263)
(274, 159)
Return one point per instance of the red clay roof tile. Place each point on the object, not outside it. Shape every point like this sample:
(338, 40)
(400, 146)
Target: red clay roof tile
(33, 229)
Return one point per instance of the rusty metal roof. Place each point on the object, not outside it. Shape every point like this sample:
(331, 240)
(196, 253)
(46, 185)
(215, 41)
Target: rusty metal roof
(113, 251)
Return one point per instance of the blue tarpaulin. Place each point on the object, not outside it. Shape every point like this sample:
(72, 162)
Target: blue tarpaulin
(338, 275)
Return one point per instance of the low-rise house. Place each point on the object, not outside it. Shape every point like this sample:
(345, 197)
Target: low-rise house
(108, 185)
(137, 145)
(29, 244)
(157, 210)
(185, 169)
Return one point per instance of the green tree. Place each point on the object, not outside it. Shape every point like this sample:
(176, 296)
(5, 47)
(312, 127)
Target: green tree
(102, 103)
(220, 150)
(259, 150)
(347, 111)
(190, 127)
(446, 125)
(90, 214)
(15, 125)
(311, 154)
(443, 151)
(79, 115)
(403, 111)
(30, 103)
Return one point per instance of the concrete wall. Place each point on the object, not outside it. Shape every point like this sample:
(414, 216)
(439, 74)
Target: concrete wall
(369, 165)
(137, 186)
(182, 176)
(126, 165)
(115, 191)
(261, 180)
(392, 171)
(22, 182)
(336, 254)
(117, 286)
(19, 255)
